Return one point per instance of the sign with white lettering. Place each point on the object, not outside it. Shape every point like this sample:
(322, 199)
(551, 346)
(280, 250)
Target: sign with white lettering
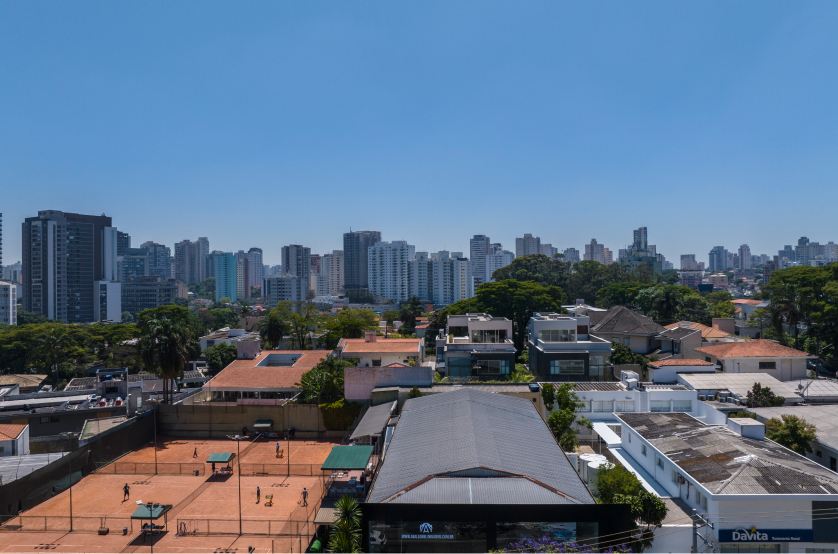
(753, 534)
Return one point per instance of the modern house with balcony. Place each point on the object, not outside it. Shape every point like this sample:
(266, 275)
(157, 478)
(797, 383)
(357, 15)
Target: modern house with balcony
(561, 349)
(476, 345)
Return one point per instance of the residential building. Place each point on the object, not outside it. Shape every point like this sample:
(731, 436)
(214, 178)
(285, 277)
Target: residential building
(474, 493)
(123, 243)
(356, 246)
(549, 250)
(746, 307)
(718, 259)
(66, 257)
(758, 356)
(267, 378)
(147, 292)
(160, 259)
(476, 346)
(296, 262)
(451, 279)
(679, 342)
(134, 263)
(527, 246)
(388, 269)
(708, 334)
(251, 270)
(571, 255)
(360, 382)
(595, 252)
(242, 290)
(191, 260)
(749, 487)
(733, 388)
(688, 262)
(283, 288)
(226, 274)
(1, 240)
(744, 257)
(330, 280)
(621, 325)
(717, 280)
(667, 371)
(561, 348)
(690, 277)
(479, 248)
(495, 261)
(769, 268)
(419, 272)
(373, 351)
(8, 303)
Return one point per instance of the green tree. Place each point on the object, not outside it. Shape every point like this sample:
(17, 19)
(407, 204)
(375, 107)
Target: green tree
(165, 347)
(128, 317)
(324, 382)
(619, 294)
(53, 344)
(408, 313)
(271, 330)
(414, 393)
(521, 375)
(345, 532)
(225, 300)
(612, 480)
(347, 324)
(225, 317)
(182, 302)
(565, 421)
(762, 397)
(30, 318)
(623, 355)
(648, 510)
(538, 268)
(177, 314)
(548, 395)
(220, 356)
(663, 302)
(795, 433)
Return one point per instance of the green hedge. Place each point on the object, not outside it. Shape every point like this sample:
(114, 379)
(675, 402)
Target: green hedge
(338, 416)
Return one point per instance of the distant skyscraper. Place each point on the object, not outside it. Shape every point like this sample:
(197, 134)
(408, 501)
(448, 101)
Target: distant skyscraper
(123, 242)
(330, 280)
(191, 260)
(419, 283)
(595, 252)
(688, 262)
(356, 246)
(527, 246)
(641, 240)
(718, 259)
(548, 250)
(296, 261)
(8, 303)
(70, 267)
(495, 261)
(451, 280)
(388, 269)
(160, 259)
(225, 277)
(479, 247)
(744, 257)
(571, 255)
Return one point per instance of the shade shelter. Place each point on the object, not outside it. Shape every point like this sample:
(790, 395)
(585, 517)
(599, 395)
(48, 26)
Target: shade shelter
(349, 468)
(220, 458)
(263, 425)
(152, 512)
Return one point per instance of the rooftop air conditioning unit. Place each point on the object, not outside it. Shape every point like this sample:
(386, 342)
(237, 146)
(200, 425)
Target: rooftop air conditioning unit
(702, 397)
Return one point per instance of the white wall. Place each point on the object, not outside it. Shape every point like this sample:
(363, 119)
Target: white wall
(360, 381)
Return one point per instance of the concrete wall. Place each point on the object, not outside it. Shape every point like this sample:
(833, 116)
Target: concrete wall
(669, 374)
(360, 381)
(787, 369)
(219, 419)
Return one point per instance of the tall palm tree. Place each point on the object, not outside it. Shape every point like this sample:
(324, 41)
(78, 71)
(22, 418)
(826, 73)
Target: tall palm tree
(271, 331)
(52, 345)
(346, 530)
(165, 348)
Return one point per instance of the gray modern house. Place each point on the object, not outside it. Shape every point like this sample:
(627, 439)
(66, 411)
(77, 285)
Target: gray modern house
(562, 349)
(476, 345)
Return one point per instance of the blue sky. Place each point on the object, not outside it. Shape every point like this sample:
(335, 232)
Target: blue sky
(271, 123)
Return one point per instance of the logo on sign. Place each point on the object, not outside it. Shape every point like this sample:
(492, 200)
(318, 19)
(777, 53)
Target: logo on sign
(426, 528)
(748, 535)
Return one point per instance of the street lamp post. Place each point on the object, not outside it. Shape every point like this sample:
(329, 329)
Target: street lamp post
(68, 436)
(239, 466)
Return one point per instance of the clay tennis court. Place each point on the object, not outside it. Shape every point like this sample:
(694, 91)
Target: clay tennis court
(294, 452)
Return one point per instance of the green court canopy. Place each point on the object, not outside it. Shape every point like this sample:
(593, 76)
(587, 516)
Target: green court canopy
(220, 457)
(150, 511)
(348, 457)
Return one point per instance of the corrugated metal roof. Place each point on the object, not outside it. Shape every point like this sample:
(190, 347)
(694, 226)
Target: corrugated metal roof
(477, 490)
(468, 428)
(374, 421)
(823, 416)
(728, 463)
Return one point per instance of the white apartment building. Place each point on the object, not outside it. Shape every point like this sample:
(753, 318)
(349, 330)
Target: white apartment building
(571, 255)
(451, 279)
(8, 303)
(527, 246)
(332, 271)
(499, 259)
(387, 267)
(283, 288)
(418, 275)
(549, 250)
(744, 257)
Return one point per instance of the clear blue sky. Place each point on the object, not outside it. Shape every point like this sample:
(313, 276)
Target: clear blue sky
(270, 123)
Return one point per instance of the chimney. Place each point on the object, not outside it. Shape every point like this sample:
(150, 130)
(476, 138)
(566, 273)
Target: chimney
(747, 427)
(370, 336)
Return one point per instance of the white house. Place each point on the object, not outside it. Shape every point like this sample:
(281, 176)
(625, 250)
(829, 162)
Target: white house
(758, 356)
(759, 496)
(14, 439)
(372, 351)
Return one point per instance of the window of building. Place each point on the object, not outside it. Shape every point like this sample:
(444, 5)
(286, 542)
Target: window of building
(557, 335)
(571, 367)
(643, 449)
(603, 406)
(660, 405)
(45, 419)
(673, 475)
(627, 342)
(597, 368)
(629, 437)
(704, 502)
(586, 406)
(660, 462)
(819, 454)
(768, 365)
(682, 405)
(624, 406)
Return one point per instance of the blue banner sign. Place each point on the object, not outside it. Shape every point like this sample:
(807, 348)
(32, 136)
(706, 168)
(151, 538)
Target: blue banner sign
(754, 534)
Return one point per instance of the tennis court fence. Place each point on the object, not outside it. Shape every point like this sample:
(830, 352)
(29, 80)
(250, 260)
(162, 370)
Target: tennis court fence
(150, 468)
(85, 524)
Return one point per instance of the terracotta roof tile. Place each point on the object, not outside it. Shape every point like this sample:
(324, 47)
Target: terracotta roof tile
(747, 301)
(11, 430)
(706, 331)
(395, 364)
(248, 375)
(752, 349)
(352, 346)
(679, 362)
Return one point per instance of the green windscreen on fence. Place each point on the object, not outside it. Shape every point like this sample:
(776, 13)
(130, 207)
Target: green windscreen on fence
(348, 457)
(220, 457)
(150, 511)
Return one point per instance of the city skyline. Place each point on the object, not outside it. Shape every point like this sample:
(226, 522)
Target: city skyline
(250, 114)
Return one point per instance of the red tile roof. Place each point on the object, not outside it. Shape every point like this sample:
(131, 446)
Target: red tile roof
(680, 362)
(395, 364)
(247, 375)
(11, 430)
(752, 349)
(361, 346)
(747, 301)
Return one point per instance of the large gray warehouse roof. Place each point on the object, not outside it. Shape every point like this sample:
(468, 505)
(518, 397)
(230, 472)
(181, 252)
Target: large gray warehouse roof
(499, 443)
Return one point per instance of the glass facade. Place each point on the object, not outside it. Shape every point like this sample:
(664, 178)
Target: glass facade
(557, 335)
(567, 367)
(458, 367)
(597, 368)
